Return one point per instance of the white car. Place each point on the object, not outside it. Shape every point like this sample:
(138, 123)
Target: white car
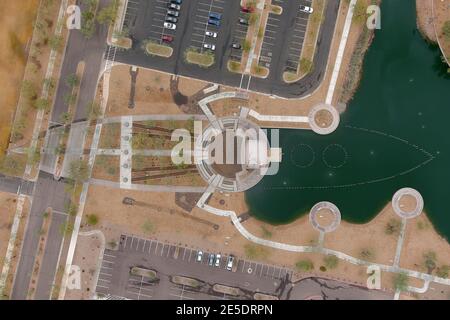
(209, 46)
(230, 263)
(199, 256)
(218, 256)
(170, 26)
(211, 34)
(306, 9)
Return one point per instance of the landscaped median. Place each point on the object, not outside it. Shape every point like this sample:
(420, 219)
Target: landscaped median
(309, 45)
(202, 59)
(234, 66)
(155, 49)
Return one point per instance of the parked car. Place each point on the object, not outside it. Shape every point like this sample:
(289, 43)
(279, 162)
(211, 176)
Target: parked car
(199, 256)
(306, 9)
(236, 45)
(173, 13)
(230, 262)
(218, 256)
(211, 259)
(243, 21)
(214, 22)
(209, 46)
(177, 1)
(214, 15)
(174, 6)
(211, 34)
(171, 19)
(170, 26)
(247, 9)
(167, 38)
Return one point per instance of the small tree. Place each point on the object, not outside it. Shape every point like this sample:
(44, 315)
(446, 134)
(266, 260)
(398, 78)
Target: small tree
(400, 281)
(446, 30)
(29, 90)
(108, 14)
(55, 42)
(393, 226)
(430, 261)
(331, 261)
(304, 265)
(72, 80)
(92, 219)
(93, 110)
(443, 271)
(42, 104)
(79, 171)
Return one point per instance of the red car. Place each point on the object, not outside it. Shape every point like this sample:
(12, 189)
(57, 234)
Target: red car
(247, 9)
(167, 38)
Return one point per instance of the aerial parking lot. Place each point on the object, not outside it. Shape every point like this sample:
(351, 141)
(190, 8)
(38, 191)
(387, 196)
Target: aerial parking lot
(215, 32)
(167, 261)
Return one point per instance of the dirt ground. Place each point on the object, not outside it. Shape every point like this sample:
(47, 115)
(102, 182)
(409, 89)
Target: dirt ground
(87, 255)
(17, 27)
(116, 218)
(8, 203)
(442, 15)
(425, 19)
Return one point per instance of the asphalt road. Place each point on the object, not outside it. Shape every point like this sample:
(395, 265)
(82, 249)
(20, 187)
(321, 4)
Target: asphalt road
(16, 185)
(140, 27)
(79, 49)
(48, 192)
(115, 278)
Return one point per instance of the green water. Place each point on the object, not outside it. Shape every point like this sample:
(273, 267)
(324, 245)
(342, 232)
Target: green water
(394, 134)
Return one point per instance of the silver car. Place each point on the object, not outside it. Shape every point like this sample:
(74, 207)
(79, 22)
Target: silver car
(306, 9)
(218, 256)
(209, 46)
(211, 259)
(230, 263)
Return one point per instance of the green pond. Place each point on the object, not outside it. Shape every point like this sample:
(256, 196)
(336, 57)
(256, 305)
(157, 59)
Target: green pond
(395, 133)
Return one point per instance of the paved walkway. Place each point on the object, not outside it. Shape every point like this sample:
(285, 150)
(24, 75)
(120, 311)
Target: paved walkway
(273, 118)
(126, 152)
(148, 188)
(302, 249)
(46, 86)
(340, 54)
(11, 243)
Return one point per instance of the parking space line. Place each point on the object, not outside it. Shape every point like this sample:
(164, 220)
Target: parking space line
(162, 250)
(157, 243)
(190, 252)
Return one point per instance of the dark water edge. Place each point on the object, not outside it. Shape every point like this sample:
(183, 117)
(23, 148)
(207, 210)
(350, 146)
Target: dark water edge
(393, 135)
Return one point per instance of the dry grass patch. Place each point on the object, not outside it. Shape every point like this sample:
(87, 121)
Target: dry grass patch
(203, 60)
(160, 50)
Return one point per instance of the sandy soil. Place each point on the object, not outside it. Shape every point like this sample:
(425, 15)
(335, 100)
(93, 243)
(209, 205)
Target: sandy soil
(8, 203)
(87, 255)
(425, 19)
(17, 26)
(442, 15)
(19, 239)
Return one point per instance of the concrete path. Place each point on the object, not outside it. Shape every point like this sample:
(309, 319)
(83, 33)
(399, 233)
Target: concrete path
(340, 54)
(301, 249)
